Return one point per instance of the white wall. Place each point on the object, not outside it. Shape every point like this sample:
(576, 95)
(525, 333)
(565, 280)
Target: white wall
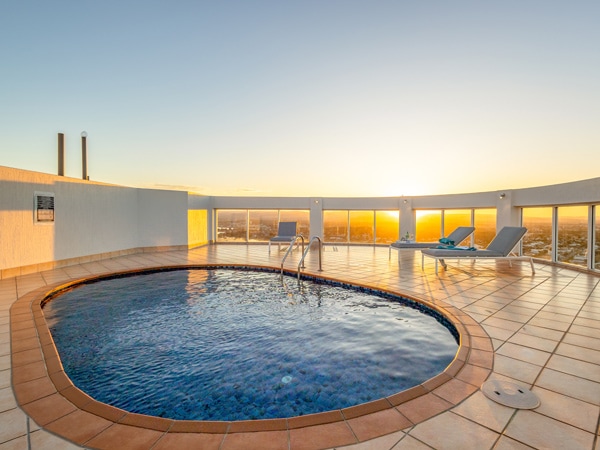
(90, 219)
(162, 218)
(94, 218)
(508, 207)
(585, 191)
(21, 241)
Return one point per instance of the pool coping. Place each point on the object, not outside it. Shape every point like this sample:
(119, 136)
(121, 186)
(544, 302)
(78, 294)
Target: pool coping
(44, 391)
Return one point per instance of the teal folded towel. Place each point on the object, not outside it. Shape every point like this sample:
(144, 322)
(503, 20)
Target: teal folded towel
(452, 247)
(446, 241)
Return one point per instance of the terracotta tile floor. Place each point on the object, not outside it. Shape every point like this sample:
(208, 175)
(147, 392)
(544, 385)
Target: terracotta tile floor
(541, 331)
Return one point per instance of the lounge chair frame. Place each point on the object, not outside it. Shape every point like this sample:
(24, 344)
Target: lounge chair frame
(457, 236)
(501, 248)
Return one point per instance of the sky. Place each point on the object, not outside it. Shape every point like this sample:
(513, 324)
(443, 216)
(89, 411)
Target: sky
(329, 98)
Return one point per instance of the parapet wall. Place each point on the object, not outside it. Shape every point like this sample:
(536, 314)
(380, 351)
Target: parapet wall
(91, 220)
(95, 220)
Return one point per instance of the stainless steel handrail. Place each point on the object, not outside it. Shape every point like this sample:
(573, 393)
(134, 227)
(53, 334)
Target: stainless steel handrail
(301, 263)
(291, 247)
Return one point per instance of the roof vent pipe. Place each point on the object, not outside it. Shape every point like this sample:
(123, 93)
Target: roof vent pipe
(84, 173)
(61, 154)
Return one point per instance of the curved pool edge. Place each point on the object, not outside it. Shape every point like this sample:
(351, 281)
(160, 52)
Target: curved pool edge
(44, 391)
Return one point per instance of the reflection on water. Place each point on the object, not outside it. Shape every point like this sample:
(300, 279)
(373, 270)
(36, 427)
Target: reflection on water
(216, 344)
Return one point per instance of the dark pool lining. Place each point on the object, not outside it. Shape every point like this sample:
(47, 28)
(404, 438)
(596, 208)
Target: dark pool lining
(419, 305)
(385, 295)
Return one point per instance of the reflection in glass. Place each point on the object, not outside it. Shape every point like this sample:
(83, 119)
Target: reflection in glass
(538, 240)
(262, 225)
(485, 227)
(572, 235)
(429, 226)
(257, 225)
(232, 225)
(361, 227)
(596, 237)
(335, 226)
(302, 219)
(386, 226)
(454, 218)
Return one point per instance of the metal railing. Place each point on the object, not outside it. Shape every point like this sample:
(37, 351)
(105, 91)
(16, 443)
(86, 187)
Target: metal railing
(291, 247)
(301, 263)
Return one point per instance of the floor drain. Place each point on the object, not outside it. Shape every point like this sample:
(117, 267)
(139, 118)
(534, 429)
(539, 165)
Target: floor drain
(510, 394)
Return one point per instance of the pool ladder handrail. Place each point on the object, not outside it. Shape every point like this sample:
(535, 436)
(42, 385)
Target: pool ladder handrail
(291, 247)
(301, 263)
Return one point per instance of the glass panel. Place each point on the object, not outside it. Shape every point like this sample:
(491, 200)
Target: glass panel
(597, 237)
(262, 225)
(429, 226)
(572, 235)
(335, 226)
(232, 225)
(538, 240)
(361, 227)
(386, 226)
(485, 227)
(302, 219)
(454, 218)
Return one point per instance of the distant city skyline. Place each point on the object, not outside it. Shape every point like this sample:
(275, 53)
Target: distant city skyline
(311, 98)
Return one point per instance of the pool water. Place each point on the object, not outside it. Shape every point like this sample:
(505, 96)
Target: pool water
(221, 344)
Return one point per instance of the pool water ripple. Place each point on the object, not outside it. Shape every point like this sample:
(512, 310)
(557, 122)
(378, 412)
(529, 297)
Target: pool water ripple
(217, 344)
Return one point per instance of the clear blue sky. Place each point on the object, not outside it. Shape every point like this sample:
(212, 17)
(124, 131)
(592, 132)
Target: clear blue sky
(305, 98)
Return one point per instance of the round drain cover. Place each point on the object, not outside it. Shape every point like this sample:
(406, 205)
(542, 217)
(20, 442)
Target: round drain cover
(510, 394)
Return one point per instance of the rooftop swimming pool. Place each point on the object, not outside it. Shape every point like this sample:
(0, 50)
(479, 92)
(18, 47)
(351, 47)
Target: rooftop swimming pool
(224, 344)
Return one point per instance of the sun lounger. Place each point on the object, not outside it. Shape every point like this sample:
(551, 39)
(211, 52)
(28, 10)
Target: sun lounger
(501, 248)
(456, 237)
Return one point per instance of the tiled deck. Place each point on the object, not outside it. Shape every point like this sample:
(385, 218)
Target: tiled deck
(542, 331)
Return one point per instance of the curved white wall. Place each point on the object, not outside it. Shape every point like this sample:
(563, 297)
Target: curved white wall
(508, 207)
(95, 219)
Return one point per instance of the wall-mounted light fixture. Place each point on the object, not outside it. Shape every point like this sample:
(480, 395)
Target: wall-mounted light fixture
(405, 201)
(502, 196)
